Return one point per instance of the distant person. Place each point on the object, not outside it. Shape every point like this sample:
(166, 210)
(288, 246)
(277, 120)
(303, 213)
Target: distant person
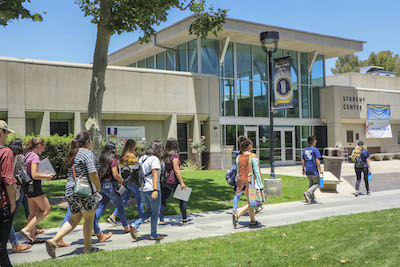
(80, 162)
(150, 190)
(7, 193)
(37, 200)
(17, 146)
(248, 169)
(110, 183)
(172, 166)
(128, 158)
(311, 166)
(361, 166)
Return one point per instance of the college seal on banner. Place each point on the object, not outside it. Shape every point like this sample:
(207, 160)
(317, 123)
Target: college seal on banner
(283, 83)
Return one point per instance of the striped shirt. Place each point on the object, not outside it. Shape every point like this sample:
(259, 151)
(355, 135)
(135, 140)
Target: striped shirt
(84, 164)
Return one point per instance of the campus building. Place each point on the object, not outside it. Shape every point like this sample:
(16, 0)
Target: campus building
(185, 87)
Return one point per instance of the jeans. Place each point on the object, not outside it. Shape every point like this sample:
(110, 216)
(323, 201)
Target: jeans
(108, 192)
(67, 216)
(13, 237)
(236, 200)
(166, 190)
(314, 184)
(358, 173)
(132, 188)
(152, 210)
(6, 219)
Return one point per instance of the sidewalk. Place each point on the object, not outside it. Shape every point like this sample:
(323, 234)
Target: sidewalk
(217, 223)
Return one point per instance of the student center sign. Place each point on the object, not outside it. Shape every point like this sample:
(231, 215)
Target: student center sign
(184, 87)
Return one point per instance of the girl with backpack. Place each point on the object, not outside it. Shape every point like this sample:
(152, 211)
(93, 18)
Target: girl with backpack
(128, 158)
(150, 190)
(172, 167)
(37, 200)
(110, 182)
(362, 166)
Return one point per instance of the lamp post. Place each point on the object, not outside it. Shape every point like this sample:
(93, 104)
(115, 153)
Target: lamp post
(268, 38)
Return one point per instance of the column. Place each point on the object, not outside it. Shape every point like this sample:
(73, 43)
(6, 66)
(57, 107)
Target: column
(170, 127)
(77, 123)
(45, 126)
(195, 134)
(16, 97)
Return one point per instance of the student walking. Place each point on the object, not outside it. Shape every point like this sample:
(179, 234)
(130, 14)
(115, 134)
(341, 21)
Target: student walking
(150, 190)
(311, 166)
(80, 162)
(16, 145)
(361, 166)
(172, 166)
(110, 182)
(248, 169)
(128, 158)
(7, 193)
(37, 200)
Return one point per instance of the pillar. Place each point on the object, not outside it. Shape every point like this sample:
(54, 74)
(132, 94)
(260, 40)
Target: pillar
(16, 97)
(45, 126)
(170, 127)
(77, 123)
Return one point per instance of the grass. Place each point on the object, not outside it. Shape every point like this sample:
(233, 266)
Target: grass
(367, 238)
(210, 192)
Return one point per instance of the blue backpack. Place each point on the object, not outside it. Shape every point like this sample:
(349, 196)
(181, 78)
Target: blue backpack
(231, 175)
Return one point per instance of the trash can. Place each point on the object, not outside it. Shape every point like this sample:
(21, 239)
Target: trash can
(333, 158)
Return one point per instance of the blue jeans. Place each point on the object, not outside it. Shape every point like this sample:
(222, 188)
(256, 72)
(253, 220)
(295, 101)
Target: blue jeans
(13, 237)
(166, 190)
(67, 216)
(236, 200)
(152, 210)
(132, 188)
(109, 193)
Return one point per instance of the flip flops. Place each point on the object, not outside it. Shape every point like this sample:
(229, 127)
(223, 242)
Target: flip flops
(254, 223)
(235, 219)
(36, 241)
(51, 249)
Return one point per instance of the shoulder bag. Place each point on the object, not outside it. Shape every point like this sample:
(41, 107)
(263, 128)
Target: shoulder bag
(82, 187)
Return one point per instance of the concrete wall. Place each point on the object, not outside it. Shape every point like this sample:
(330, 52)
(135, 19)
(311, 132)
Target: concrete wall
(354, 79)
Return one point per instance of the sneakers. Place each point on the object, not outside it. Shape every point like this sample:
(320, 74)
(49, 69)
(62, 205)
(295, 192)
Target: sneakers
(112, 221)
(356, 193)
(159, 237)
(369, 192)
(235, 219)
(20, 247)
(134, 233)
(103, 237)
(307, 198)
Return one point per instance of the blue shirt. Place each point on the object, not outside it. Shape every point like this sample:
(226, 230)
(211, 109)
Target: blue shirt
(310, 154)
(364, 154)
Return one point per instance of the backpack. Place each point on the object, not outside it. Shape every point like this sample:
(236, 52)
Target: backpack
(134, 173)
(164, 173)
(360, 162)
(231, 175)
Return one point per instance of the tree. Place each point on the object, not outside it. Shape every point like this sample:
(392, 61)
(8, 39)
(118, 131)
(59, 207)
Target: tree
(349, 63)
(118, 16)
(387, 60)
(13, 9)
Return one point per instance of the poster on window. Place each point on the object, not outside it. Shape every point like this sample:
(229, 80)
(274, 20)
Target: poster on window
(378, 129)
(120, 134)
(378, 112)
(283, 83)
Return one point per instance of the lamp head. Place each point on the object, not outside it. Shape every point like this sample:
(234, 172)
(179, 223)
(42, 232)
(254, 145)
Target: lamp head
(269, 37)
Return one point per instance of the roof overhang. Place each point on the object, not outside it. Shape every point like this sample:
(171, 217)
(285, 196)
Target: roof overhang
(239, 31)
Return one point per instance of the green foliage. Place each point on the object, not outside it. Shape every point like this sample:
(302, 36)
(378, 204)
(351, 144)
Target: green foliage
(14, 9)
(56, 150)
(191, 166)
(140, 149)
(349, 63)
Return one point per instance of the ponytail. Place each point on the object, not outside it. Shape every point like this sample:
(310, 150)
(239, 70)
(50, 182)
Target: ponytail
(33, 142)
(80, 141)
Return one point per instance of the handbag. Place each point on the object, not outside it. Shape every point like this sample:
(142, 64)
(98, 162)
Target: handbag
(82, 187)
(255, 195)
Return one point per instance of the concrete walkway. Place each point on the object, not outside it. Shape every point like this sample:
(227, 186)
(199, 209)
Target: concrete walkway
(217, 223)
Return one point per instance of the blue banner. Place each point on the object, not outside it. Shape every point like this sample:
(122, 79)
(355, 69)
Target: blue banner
(378, 112)
(283, 90)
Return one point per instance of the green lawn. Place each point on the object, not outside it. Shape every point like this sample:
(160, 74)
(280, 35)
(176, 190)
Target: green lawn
(360, 239)
(210, 192)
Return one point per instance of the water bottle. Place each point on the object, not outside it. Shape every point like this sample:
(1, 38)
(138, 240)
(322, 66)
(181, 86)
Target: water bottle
(370, 176)
(98, 196)
(321, 181)
(122, 190)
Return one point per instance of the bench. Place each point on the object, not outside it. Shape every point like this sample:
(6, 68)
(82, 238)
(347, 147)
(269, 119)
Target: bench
(382, 156)
(330, 182)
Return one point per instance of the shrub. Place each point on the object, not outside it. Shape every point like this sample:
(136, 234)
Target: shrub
(191, 166)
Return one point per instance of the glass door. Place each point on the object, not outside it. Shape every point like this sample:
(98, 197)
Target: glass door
(284, 145)
(251, 132)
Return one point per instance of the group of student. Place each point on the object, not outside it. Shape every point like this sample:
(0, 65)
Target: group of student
(106, 182)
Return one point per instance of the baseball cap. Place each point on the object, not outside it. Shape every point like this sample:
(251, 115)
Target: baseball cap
(360, 143)
(4, 126)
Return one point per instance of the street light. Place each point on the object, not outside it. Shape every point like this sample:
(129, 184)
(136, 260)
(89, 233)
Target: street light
(268, 38)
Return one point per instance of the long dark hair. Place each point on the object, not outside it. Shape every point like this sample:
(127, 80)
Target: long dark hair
(129, 147)
(106, 157)
(17, 146)
(244, 143)
(81, 140)
(171, 148)
(156, 148)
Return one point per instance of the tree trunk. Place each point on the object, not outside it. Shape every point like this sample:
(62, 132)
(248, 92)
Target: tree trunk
(97, 86)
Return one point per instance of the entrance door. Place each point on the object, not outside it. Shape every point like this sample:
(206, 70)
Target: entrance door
(284, 145)
(251, 132)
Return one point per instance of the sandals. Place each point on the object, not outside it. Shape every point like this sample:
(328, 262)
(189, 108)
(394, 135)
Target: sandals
(235, 218)
(159, 237)
(161, 223)
(134, 233)
(39, 231)
(28, 237)
(92, 250)
(189, 220)
(259, 209)
(36, 241)
(51, 249)
(254, 223)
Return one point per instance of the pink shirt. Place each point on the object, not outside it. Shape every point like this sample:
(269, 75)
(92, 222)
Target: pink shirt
(30, 158)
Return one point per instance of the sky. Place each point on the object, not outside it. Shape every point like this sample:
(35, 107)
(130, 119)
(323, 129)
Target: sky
(67, 35)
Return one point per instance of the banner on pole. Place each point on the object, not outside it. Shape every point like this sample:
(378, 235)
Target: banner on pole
(378, 129)
(283, 83)
(378, 112)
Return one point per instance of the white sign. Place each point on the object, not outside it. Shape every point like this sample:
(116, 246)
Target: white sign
(45, 167)
(182, 194)
(120, 134)
(378, 129)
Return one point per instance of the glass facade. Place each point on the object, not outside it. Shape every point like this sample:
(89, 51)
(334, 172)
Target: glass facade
(209, 56)
(182, 57)
(160, 58)
(192, 56)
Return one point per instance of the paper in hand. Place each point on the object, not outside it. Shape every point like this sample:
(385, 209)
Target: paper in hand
(182, 194)
(45, 167)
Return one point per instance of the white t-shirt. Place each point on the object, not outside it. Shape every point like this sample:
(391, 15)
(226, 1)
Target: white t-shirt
(151, 163)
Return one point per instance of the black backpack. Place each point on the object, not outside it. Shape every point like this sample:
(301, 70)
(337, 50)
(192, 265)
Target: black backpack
(164, 173)
(231, 175)
(134, 173)
(360, 162)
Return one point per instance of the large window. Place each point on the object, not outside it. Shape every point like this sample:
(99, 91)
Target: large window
(316, 102)
(317, 73)
(59, 127)
(305, 102)
(229, 97)
(142, 63)
(294, 112)
(259, 64)
(293, 65)
(170, 60)
(150, 62)
(243, 55)
(183, 141)
(160, 58)
(193, 53)
(304, 68)
(245, 98)
(209, 56)
(261, 107)
(228, 61)
(182, 56)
